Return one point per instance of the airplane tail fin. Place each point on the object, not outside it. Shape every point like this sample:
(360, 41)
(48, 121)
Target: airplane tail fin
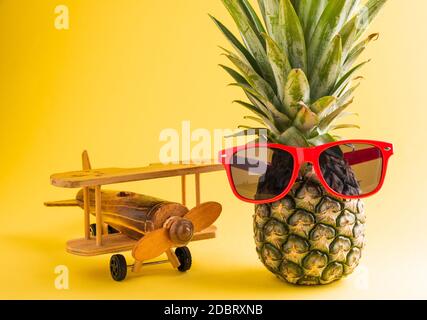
(73, 202)
(85, 161)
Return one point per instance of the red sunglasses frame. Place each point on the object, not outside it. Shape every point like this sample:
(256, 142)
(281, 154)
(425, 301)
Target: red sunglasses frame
(301, 156)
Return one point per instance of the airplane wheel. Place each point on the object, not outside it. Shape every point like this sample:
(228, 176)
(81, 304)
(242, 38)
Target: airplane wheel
(118, 267)
(184, 256)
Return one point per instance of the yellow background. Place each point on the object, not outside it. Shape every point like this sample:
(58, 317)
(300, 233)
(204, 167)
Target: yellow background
(128, 69)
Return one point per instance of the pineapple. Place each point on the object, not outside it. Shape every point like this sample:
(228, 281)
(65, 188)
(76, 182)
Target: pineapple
(297, 66)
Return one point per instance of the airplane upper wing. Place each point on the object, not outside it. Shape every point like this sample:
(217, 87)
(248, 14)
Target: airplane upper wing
(97, 177)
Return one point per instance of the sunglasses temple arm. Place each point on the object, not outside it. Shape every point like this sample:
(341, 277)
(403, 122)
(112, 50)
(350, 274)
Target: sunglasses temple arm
(361, 156)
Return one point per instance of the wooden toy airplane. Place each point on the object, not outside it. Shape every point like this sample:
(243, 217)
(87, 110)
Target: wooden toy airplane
(127, 221)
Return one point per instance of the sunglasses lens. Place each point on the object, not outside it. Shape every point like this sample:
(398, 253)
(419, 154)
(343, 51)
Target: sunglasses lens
(261, 173)
(352, 169)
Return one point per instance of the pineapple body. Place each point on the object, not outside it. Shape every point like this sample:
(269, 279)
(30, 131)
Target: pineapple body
(310, 237)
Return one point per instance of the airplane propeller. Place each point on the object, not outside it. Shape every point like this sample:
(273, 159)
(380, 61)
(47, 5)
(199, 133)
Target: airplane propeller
(176, 231)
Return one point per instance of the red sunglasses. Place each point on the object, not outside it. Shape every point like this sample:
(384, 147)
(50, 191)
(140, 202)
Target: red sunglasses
(265, 173)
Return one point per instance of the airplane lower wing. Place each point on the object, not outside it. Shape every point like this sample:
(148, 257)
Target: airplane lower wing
(115, 243)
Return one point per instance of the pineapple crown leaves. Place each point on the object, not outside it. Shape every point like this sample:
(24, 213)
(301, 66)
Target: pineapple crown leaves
(297, 63)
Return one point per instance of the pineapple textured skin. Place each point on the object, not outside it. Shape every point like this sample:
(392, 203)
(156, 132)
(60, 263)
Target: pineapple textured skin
(310, 237)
